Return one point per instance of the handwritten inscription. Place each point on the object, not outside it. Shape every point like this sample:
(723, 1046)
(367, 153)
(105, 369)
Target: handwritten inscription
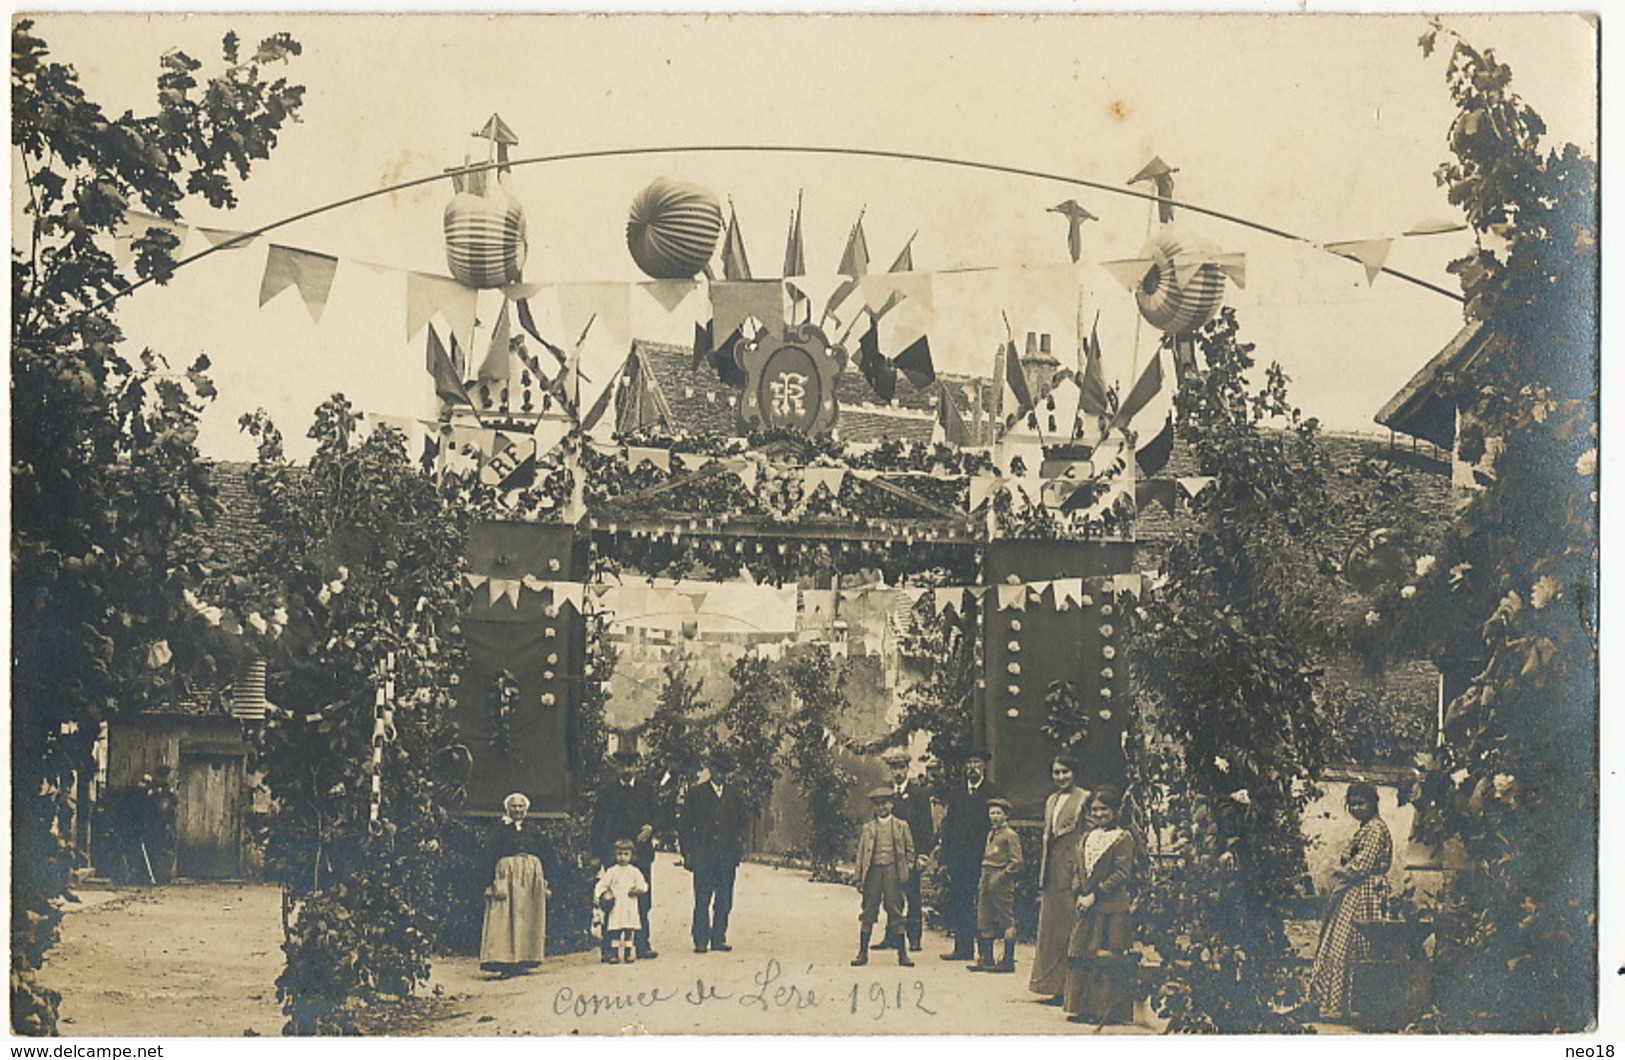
(771, 989)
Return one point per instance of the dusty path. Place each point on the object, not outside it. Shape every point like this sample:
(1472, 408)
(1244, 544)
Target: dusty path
(202, 959)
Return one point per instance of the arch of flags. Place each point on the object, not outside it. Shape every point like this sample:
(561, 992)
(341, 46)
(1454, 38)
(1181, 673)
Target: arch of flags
(552, 446)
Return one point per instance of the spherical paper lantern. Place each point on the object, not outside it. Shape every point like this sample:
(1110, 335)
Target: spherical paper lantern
(485, 236)
(673, 229)
(1169, 304)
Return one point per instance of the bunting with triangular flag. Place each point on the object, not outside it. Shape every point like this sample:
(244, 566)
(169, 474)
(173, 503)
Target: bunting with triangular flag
(309, 272)
(427, 295)
(1155, 491)
(226, 239)
(1372, 254)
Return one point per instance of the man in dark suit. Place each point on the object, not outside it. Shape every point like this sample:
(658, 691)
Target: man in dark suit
(960, 844)
(713, 843)
(627, 809)
(911, 804)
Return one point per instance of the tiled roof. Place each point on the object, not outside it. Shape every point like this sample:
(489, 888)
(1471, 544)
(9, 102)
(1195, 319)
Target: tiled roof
(236, 533)
(1425, 407)
(1154, 527)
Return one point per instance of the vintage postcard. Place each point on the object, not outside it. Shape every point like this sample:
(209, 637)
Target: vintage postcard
(536, 525)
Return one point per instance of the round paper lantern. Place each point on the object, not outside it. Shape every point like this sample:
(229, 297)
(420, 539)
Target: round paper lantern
(673, 229)
(1168, 302)
(485, 236)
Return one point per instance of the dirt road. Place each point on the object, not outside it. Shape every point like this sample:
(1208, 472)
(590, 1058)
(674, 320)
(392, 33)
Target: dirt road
(202, 959)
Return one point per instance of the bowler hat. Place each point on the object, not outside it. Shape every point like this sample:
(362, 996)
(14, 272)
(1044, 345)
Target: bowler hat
(981, 752)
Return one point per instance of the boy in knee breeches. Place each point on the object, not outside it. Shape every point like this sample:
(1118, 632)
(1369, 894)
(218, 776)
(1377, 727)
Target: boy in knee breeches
(996, 893)
(885, 860)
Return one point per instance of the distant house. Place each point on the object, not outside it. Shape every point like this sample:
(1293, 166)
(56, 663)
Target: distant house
(1411, 689)
(199, 738)
(1429, 408)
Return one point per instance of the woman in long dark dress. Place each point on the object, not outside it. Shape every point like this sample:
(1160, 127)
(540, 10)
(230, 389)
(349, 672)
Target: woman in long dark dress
(1100, 975)
(1063, 820)
(1356, 894)
(515, 929)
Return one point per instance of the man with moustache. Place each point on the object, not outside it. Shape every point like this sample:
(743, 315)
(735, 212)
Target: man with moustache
(713, 838)
(626, 809)
(960, 845)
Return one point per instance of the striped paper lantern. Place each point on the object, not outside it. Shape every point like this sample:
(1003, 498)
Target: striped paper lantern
(1166, 303)
(673, 229)
(485, 238)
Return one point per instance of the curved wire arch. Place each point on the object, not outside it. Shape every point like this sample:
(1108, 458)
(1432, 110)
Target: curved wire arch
(855, 152)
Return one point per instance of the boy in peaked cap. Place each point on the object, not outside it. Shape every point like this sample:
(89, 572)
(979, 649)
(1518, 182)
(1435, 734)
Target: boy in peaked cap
(885, 860)
(911, 804)
(996, 894)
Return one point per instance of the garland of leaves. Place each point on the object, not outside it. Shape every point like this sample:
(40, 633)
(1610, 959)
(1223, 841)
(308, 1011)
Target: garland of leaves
(813, 730)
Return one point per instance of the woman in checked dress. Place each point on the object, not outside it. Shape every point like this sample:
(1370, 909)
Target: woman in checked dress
(515, 928)
(1356, 894)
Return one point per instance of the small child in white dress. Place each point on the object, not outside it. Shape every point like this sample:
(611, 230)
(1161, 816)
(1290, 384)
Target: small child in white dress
(616, 894)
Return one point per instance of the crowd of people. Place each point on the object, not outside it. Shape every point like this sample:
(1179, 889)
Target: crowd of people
(1084, 960)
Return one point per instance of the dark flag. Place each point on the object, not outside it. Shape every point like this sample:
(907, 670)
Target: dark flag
(723, 359)
(1092, 388)
(1152, 457)
(702, 344)
(915, 363)
(528, 322)
(735, 265)
(447, 386)
(905, 257)
(880, 374)
(1146, 388)
(954, 430)
(1017, 379)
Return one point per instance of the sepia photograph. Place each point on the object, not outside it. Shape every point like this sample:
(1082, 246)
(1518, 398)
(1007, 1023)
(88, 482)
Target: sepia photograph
(532, 525)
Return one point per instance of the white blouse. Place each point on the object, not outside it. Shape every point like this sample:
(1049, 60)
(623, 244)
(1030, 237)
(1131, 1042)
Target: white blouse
(1096, 842)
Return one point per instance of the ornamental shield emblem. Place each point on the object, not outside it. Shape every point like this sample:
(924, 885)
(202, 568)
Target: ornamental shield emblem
(790, 381)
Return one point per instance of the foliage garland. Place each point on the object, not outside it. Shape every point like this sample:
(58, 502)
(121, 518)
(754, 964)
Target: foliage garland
(813, 730)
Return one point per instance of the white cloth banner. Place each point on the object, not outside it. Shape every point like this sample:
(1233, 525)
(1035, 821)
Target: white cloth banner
(1012, 597)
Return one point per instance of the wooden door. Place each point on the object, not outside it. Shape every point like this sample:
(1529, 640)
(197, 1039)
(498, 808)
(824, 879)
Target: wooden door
(209, 819)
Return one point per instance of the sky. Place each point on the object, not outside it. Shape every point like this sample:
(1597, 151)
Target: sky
(1328, 127)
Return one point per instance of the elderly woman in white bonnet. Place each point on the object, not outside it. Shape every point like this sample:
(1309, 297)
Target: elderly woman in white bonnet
(516, 899)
